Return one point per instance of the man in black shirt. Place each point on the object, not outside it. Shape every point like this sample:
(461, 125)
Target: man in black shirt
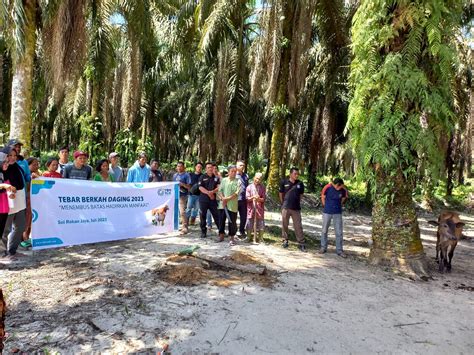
(208, 186)
(155, 174)
(290, 194)
(244, 182)
(193, 199)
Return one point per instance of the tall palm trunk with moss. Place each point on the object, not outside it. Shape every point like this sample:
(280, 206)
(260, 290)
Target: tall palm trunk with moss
(395, 230)
(402, 105)
(280, 110)
(21, 92)
(132, 86)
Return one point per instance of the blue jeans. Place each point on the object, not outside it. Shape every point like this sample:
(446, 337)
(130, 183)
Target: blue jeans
(337, 228)
(192, 208)
(209, 218)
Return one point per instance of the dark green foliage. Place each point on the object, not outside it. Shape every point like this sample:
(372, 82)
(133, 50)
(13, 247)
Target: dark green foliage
(404, 63)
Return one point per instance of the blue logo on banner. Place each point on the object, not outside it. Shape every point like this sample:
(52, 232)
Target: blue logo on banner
(34, 215)
(46, 241)
(162, 192)
(37, 185)
(138, 185)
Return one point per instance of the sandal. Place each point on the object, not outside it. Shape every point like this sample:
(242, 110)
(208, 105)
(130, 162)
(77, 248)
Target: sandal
(26, 243)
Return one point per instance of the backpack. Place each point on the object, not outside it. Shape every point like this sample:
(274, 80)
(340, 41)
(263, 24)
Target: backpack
(194, 190)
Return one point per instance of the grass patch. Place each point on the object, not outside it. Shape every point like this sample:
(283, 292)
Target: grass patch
(272, 236)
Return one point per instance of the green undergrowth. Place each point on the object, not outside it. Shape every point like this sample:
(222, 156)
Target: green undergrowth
(272, 236)
(459, 200)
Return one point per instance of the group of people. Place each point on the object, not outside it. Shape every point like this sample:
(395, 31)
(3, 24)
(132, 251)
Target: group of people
(207, 193)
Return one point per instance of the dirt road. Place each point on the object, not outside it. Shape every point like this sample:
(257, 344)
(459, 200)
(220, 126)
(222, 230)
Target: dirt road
(112, 298)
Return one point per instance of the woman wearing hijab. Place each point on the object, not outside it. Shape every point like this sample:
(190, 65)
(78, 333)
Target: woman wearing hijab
(16, 221)
(5, 190)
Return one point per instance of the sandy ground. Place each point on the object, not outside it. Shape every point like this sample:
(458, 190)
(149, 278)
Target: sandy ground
(110, 298)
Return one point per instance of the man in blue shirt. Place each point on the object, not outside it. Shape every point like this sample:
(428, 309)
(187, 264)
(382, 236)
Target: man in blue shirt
(184, 185)
(140, 171)
(333, 197)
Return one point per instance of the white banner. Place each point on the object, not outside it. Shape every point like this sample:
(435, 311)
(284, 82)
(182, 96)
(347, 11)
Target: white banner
(71, 212)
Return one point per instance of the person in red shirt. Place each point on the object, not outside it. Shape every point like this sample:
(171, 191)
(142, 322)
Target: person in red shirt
(52, 166)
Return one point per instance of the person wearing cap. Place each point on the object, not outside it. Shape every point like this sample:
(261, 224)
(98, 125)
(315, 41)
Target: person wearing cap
(22, 163)
(5, 190)
(79, 169)
(63, 159)
(114, 169)
(228, 194)
(16, 221)
(140, 171)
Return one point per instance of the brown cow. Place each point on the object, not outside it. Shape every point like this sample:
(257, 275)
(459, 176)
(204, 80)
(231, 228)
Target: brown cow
(449, 232)
(159, 214)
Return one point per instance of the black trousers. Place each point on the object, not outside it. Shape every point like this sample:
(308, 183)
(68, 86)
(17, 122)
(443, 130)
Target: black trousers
(242, 215)
(3, 222)
(204, 207)
(232, 223)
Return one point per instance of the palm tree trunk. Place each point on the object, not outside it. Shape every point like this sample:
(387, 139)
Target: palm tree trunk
(132, 93)
(450, 161)
(1, 80)
(117, 96)
(281, 103)
(21, 94)
(89, 93)
(108, 127)
(469, 134)
(95, 104)
(395, 230)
